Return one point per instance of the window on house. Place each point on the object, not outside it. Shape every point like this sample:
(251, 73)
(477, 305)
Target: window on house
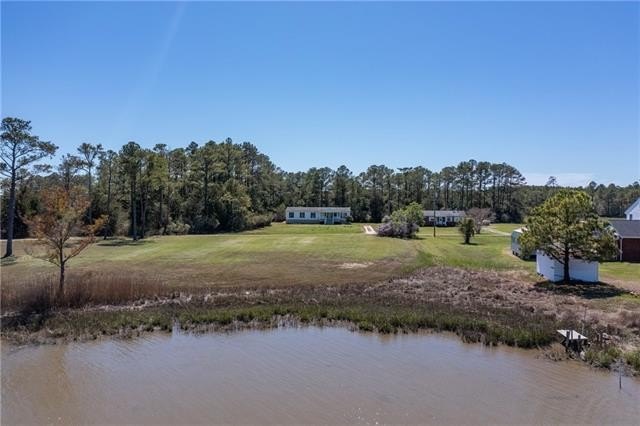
(290, 215)
(335, 214)
(301, 215)
(313, 215)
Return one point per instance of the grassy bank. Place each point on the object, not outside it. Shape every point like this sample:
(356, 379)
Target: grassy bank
(480, 306)
(316, 274)
(500, 327)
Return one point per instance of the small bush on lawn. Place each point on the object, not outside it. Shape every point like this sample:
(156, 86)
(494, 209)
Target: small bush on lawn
(402, 223)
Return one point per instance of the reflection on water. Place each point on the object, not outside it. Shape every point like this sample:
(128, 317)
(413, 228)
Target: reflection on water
(307, 375)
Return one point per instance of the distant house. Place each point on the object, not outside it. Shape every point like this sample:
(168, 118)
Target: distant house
(627, 233)
(442, 217)
(633, 212)
(323, 215)
(579, 270)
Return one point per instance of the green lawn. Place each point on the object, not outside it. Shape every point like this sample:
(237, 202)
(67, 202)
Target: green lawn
(624, 271)
(282, 228)
(294, 254)
(486, 251)
(277, 255)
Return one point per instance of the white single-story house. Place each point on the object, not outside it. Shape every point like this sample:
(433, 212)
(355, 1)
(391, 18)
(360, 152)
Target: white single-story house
(633, 212)
(579, 270)
(442, 217)
(324, 215)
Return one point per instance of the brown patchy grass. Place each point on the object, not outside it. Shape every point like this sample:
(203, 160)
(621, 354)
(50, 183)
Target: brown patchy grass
(37, 292)
(597, 307)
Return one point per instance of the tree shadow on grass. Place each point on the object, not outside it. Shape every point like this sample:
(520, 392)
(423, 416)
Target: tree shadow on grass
(585, 290)
(124, 243)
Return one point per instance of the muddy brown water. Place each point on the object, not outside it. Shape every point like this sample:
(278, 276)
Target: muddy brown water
(305, 375)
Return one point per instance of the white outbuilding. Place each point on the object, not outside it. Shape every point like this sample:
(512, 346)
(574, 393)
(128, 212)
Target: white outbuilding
(579, 270)
(516, 248)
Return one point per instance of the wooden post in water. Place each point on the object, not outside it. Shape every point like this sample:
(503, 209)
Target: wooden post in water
(620, 365)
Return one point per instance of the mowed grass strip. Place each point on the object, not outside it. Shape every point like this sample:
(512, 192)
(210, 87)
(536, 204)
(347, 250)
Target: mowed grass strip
(506, 227)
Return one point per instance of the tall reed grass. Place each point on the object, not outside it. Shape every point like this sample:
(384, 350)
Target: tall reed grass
(37, 294)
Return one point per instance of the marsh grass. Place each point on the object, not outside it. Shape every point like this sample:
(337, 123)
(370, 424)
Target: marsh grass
(603, 357)
(520, 332)
(632, 358)
(36, 294)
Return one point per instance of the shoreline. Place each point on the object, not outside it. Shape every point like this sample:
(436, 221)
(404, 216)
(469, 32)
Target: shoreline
(553, 352)
(479, 306)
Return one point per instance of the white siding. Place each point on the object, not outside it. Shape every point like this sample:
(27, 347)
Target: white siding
(633, 212)
(553, 270)
(317, 214)
(515, 242)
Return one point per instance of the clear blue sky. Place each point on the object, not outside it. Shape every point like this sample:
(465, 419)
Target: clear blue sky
(552, 88)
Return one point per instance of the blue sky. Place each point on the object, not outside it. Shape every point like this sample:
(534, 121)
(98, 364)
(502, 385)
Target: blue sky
(552, 88)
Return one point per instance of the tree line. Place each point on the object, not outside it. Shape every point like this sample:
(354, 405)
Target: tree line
(226, 186)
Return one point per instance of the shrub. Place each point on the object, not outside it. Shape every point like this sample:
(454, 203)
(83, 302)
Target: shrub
(178, 228)
(481, 217)
(402, 223)
(259, 221)
(633, 359)
(602, 357)
(204, 225)
(467, 228)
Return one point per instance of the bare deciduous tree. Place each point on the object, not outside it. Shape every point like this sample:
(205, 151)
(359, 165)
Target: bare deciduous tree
(481, 217)
(60, 229)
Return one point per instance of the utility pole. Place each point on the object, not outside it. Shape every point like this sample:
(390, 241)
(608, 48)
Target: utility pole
(434, 215)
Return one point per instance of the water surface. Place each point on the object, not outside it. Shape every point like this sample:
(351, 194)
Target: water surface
(306, 375)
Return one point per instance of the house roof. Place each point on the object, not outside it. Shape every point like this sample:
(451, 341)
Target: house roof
(442, 213)
(321, 209)
(626, 228)
(633, 206)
